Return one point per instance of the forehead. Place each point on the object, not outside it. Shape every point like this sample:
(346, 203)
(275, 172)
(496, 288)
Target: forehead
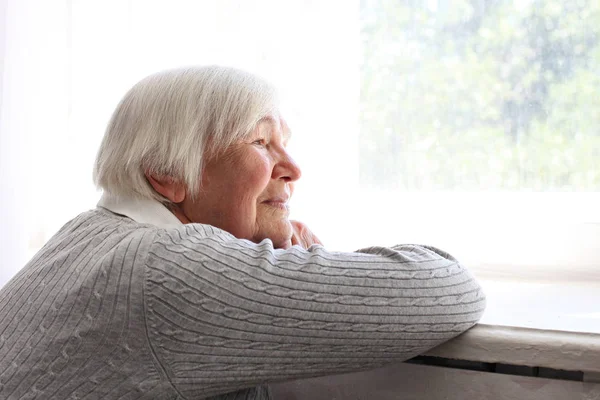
(275, 125)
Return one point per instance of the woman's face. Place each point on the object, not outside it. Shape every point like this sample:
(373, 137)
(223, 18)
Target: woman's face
(246, 190)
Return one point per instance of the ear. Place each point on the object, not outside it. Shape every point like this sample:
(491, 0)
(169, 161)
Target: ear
(167, 186)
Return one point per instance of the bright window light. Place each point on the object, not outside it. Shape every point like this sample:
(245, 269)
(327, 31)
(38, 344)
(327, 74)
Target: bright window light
(470, 125)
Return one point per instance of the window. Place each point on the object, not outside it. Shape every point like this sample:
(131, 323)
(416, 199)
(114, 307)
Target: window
(479, 133)
(472, 125)
(480, 95)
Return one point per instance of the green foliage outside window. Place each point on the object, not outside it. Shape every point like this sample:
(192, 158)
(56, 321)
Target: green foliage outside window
(480, 95)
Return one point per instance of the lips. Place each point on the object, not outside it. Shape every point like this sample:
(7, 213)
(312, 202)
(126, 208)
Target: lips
(278, 202)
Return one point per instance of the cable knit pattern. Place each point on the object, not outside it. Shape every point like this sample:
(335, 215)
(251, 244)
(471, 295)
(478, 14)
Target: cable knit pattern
(114, 309)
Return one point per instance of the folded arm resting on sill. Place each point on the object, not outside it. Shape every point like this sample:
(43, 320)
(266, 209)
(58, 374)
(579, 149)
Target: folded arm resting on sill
(223, 308)
(111, 307)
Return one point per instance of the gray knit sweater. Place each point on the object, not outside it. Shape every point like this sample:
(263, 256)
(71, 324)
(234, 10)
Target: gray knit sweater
(114, 309)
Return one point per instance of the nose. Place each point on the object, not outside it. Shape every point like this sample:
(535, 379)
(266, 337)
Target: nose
(286, 168)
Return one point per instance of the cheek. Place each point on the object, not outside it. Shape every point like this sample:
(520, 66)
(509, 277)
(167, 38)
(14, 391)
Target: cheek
(241, 188)
(256, 177)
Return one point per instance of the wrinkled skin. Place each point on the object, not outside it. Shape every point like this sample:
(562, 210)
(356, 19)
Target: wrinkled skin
(245, 191)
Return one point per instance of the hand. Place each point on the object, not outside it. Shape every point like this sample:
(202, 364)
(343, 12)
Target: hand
(303, 236)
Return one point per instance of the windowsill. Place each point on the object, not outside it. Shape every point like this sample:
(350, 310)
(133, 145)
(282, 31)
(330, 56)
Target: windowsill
(551, 351)
(549, 324)
(486, 362)
(570, 351)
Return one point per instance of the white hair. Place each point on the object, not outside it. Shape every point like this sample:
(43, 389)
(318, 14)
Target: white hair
(170, 121)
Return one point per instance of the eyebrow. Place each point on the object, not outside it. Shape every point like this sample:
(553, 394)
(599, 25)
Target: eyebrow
(283, 126)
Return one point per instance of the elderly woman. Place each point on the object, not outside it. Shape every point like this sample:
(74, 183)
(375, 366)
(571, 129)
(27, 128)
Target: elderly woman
(189, 281)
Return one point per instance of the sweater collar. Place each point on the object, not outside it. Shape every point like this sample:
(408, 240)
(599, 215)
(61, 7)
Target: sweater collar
(143, 211)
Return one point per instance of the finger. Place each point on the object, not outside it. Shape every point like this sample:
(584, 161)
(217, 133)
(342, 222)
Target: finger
(306, 236)
(316, 240)
(294, 239)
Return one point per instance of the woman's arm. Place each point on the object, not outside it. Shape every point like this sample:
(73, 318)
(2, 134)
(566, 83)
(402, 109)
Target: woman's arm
(225, 314)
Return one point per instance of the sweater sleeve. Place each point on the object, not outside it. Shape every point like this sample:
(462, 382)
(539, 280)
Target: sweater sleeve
(225, 314)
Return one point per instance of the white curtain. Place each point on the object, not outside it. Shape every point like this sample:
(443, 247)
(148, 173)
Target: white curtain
(12, 234)
(66, 64)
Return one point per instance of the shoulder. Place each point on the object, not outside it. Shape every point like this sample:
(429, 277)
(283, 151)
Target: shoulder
(196, 240)
(97, 235)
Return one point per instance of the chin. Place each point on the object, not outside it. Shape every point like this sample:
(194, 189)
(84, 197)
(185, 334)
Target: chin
(281, 233)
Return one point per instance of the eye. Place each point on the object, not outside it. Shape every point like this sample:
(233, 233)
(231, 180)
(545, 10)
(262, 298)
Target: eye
(260, 142)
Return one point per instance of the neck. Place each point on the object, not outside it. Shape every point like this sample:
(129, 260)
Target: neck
(178, 212)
